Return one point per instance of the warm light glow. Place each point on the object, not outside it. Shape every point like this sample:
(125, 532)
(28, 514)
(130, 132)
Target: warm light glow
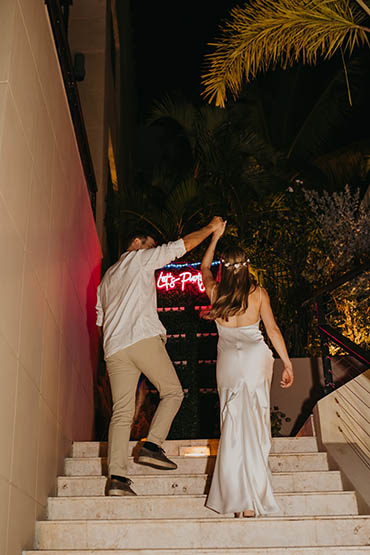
(200, 451)
(112, 163)
(168, 281)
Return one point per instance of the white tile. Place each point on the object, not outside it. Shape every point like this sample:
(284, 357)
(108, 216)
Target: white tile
(66, 393)
(22, 510)
(26, 436)
(39, 229)
(23, 78)
(63, 449)
(8, 380)
(12, 253)
(32, 324)
(50, 362)
(7, 11)
(47, 454)
(43, 149)
(15, 168)
(4, 513)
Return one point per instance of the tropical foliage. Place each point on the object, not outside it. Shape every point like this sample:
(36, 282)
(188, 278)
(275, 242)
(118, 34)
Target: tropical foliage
(264, 34)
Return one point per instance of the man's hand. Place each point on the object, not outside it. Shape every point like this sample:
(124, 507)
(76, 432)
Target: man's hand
(215, 223)
(192, 240)
(219, 231)
(287, 377)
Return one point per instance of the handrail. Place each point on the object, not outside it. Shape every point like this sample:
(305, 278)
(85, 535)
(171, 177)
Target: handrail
(356, 271)
(328, 333)
(66, 65)
(354, 350)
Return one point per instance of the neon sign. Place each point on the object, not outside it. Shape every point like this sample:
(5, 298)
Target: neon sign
(167, 281)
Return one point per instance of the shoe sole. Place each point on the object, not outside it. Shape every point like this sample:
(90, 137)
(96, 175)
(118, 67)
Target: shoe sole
(155, 463)
(120, 493)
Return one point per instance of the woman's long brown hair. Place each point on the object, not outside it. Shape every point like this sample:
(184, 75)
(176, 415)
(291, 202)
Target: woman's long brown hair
(234, 287)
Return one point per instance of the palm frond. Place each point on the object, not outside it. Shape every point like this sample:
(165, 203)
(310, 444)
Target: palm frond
(346, 165)
(267, 33)
(179, 111)
(331, 111)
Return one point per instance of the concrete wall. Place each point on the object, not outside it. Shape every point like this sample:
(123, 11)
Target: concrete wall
(50, 258)
(297, 402)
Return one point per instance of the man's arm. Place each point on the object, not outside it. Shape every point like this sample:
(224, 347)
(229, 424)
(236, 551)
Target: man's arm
(194, 239)
(157, 257)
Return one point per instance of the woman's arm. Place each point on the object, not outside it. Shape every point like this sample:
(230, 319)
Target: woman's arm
(274, 333)
(207, 276)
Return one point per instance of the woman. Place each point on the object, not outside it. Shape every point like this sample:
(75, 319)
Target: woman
(241, 481)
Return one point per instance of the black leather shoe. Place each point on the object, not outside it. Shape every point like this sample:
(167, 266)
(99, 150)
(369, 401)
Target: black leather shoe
(118, 487)
(155, 459)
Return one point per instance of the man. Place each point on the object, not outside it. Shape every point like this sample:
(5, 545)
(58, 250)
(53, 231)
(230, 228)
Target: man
(134, 341)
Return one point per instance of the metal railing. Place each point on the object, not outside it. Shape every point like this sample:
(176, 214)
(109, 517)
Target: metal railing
(328, 334)
(57, 19)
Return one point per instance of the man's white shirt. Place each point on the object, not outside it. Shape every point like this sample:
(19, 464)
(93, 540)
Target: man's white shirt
(127, 298)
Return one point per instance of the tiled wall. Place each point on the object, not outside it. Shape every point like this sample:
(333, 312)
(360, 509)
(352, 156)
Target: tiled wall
(49, 260)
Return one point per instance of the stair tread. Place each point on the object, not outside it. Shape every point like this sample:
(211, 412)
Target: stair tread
(182, 457)
(210, 551)
(212, 520)
(198, 495)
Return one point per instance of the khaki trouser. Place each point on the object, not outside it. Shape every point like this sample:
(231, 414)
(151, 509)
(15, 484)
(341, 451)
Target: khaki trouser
(148, 356)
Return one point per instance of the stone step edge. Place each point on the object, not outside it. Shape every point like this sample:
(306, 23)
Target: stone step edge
(194, 440)
(189, 475)
(207, 551)
(205, 520)
(194, 495)
(183, 457)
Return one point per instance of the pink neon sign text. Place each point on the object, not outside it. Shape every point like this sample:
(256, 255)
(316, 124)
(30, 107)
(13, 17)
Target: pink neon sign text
(167, 281)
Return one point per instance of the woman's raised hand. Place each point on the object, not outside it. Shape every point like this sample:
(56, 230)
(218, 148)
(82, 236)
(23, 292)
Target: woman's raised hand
(220, 230)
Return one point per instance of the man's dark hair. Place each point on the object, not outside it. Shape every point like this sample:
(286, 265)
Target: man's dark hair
(140, 233)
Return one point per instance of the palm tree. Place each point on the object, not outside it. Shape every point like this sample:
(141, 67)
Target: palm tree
(265, 33)
(287, 126)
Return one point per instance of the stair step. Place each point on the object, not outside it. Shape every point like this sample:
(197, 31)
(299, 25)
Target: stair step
(191, 506)
(168, 484)
(351, 549)
(88, 449)
(204, 533)
(282, 462)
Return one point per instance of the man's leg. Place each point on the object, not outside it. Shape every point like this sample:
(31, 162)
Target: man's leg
(151, 357)
(123, 376)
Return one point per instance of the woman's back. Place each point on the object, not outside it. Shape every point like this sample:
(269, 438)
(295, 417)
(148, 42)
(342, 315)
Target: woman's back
(250, 316)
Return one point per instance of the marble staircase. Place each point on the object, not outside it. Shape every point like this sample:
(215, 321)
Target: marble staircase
(168, 516)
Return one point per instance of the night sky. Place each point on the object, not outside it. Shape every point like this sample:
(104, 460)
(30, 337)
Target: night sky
(170, 40)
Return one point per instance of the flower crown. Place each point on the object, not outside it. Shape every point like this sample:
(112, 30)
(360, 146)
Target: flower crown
(235, 265)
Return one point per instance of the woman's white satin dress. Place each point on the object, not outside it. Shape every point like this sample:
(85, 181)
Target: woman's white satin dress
(242, 477)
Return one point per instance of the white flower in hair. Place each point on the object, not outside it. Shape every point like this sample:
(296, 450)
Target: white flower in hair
(236, 265)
